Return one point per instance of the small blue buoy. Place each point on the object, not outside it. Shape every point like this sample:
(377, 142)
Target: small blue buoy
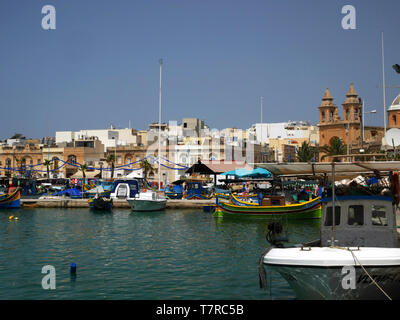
(72, 268)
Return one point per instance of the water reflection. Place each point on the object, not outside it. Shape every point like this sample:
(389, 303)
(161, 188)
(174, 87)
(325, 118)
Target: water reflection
(172, 254)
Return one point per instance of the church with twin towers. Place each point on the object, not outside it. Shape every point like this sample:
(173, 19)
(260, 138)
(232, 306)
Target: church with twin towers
(349, 128)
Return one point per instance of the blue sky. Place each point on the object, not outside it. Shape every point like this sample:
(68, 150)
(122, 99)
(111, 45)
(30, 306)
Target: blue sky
(100, 65)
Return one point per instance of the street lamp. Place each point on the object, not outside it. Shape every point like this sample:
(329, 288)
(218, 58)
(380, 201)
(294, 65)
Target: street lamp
(396, 68)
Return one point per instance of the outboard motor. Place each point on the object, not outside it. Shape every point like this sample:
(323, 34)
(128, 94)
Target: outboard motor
(275, 234)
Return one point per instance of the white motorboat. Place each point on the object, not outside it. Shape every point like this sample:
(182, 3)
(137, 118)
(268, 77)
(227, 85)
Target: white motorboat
(148, 200)
(125, 189)
(358, 253)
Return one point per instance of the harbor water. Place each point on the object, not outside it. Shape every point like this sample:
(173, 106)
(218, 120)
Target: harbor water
(175, 254)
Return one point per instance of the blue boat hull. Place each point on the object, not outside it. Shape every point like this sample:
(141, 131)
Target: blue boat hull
(12, 204)
(11, 200)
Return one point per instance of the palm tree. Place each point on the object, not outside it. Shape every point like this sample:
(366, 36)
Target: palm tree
(111, 160)
(83, 168)
(47, 163)
(147, 167)
(335, 148)
(305, 153)
(101, 169)
(21, 163)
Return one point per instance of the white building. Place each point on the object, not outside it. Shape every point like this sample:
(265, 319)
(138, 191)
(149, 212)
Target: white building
(108, 137)
(284, 130)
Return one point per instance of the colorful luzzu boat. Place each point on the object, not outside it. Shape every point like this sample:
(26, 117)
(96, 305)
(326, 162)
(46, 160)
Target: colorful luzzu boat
(308, 209)
(11, 200)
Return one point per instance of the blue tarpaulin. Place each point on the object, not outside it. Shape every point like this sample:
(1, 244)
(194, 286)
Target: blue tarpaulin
(69, 192)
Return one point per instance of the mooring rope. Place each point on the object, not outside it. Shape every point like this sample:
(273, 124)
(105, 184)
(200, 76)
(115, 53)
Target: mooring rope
(262, 274)
(366, 272)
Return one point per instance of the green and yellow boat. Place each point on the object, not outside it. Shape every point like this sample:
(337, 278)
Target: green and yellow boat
(271, 207)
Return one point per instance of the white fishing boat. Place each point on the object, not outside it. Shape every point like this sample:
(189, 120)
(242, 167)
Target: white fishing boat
(148, 200)
(358, 253)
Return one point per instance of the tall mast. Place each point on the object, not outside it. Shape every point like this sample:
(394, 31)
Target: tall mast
(159, 129)
(261, 106)
(333, 206)
(261, 115)
(383, 86)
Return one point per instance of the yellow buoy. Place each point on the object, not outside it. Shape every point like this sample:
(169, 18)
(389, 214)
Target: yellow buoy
(10, 217)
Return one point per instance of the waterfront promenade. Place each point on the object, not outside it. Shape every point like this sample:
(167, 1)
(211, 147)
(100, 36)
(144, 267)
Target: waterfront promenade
(83, 203)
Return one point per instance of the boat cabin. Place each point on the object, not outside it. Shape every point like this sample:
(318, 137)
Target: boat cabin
(360, 221)
(124, 189)
(273, 200)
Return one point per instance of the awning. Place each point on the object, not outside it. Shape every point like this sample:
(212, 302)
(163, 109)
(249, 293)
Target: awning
(217, 166)
(341, 168)
(243, 173)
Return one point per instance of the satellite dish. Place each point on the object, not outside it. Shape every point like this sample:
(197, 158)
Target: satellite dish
(392, 137)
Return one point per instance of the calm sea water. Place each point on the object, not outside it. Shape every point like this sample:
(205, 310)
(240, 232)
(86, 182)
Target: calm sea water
(176, 254)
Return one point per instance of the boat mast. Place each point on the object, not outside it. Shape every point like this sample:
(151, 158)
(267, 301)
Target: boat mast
(159, 129)
(333, 206)
(383, 86)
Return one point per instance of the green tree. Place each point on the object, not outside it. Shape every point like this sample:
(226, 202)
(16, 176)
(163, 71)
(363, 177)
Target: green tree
(111, 160)
(147, 167)
(21, 162)
(305, 153)
(336, 147)
(83, 168)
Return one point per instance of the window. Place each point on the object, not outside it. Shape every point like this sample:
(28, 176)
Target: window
(328, 219)
(394, 119)
(356, 216)
(71, 158)
(119, 159)
(185, 125)
(378, 216)
(38, 161)
(347, 114)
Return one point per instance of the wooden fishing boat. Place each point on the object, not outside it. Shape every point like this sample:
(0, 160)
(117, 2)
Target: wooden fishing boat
(272, 206)
(100, 203)
(173, 195)
(11, 199)
(252, 200)
(209, 208)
